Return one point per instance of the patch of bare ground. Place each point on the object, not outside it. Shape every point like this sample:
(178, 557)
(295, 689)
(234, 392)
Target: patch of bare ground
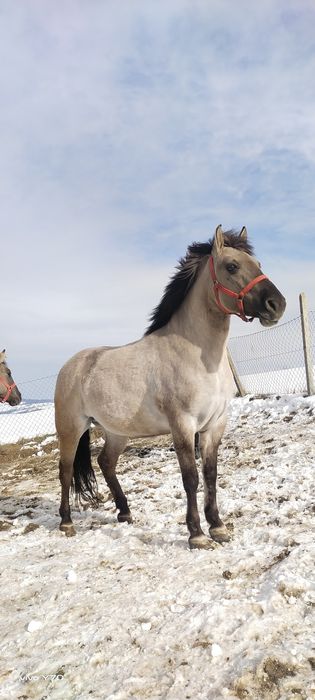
(32, 465)
(27, 468)
(30, 471)
(272, 679)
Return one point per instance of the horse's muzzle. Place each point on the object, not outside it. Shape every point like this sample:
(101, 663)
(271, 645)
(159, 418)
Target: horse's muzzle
(274, 305)
(15, 398)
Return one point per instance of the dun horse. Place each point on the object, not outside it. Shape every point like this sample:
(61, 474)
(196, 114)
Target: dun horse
(176, 379)
(9, 392)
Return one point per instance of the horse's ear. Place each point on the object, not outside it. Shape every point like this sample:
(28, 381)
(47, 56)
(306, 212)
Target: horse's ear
(219, 240)
(243, 234)
(2, 356)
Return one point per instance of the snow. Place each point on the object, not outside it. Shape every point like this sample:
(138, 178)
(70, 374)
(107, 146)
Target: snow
(290, 381)
(27, 420)
(128, 611)
(34, 625)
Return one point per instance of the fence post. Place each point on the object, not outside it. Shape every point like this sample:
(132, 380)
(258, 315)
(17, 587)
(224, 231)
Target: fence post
(237, 380)
(307, 344)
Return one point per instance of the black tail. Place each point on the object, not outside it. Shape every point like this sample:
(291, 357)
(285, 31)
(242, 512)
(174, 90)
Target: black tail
(84, 481)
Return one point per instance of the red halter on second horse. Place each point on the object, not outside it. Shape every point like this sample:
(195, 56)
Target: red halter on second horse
(9, 388)
(239, 296)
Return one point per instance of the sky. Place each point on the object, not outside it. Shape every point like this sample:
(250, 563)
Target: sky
(129, 129)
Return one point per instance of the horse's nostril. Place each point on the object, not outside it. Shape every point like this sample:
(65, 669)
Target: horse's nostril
(271, 305)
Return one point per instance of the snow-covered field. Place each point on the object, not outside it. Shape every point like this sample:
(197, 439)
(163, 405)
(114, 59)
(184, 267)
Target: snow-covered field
(128, 611)
(287, 381)
(26, 420)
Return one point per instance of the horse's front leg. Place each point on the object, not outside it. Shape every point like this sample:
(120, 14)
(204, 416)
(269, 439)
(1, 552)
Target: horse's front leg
(185, 450)
(209, 445)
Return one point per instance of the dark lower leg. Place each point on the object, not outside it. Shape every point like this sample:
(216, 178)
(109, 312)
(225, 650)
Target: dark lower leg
(65, 476)
(119, 498)
(217, 529)
(190, 481)
(210, 481)
(113, 484)
(185, 449)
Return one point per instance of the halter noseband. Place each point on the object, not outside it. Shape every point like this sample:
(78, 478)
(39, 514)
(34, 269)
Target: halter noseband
(9, 388)
(239, 296)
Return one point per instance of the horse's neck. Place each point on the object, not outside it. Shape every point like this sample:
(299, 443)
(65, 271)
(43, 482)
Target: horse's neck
(199, 321)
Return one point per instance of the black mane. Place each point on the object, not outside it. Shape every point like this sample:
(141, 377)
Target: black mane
(187, 271)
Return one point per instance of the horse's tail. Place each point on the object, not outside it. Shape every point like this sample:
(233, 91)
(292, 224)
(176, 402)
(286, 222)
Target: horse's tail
(84, 482)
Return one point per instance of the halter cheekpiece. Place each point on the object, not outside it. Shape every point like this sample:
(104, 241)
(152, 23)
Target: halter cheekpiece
(239, 296)
(9, 388)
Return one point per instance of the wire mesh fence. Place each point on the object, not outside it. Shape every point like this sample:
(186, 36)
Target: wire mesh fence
(272, 361)
(268, 362)
(35, 414)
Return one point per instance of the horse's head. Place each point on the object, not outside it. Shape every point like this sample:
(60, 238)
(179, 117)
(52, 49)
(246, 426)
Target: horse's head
(8, 390)
(239, 285)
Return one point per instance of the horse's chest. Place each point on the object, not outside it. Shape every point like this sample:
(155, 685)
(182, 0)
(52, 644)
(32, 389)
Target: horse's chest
(211, 400)
(211, 411)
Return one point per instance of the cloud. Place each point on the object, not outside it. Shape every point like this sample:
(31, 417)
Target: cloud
(131, 129)
(108, 308)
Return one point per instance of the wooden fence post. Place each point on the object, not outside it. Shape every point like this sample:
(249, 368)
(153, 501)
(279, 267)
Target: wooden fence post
(237, 380)
(307, 347)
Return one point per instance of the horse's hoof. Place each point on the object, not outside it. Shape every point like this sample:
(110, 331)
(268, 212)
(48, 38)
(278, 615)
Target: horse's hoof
(124, 518)
(200, 542)
(68, 529)
(220, 534)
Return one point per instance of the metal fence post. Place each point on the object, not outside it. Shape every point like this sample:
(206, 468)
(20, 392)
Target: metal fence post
(307, 344)
(237, 380)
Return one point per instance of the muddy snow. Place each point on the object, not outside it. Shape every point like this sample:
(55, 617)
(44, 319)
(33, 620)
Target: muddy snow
(128, 611)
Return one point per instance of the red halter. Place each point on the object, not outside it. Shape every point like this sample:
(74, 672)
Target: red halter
(218, 287)
(9, 388)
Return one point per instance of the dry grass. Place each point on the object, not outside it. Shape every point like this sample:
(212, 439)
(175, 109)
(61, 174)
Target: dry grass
(263, 683)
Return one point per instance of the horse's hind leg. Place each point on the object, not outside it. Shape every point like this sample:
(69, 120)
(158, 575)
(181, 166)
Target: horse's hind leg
(68, 447)
(107, 459)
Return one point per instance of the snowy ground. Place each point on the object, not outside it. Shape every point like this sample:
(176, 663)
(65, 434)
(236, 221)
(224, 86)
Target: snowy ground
(26, 420)
(121, 612)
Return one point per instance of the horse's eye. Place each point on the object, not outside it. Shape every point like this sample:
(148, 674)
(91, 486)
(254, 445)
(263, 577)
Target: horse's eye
(232, 268)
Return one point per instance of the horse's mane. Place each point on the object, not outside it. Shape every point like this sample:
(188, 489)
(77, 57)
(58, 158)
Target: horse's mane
(185, 276)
